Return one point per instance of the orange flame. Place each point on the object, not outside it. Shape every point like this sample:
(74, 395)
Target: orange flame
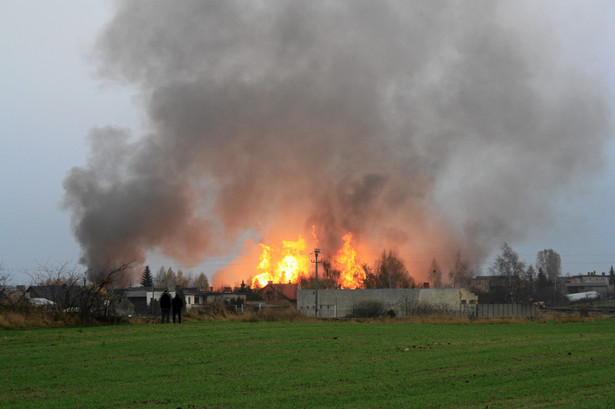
(291, 263)
(288, 264)
(346, 261)
(263, 269)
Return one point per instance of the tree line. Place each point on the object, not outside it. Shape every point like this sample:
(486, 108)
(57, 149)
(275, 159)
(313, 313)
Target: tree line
(522, 281)
(517, 280)
(168, 278)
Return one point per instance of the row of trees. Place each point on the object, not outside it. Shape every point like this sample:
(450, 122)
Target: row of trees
(507, 263)
(390, 272)
(523, 281)
(169, 278)
(519, 280)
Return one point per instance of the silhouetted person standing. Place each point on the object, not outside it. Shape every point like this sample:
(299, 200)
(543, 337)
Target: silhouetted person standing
(178, 304)
(165, 307)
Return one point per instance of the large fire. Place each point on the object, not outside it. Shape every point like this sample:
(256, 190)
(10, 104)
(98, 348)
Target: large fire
(351, 273)
(282, 266)
(291, 262)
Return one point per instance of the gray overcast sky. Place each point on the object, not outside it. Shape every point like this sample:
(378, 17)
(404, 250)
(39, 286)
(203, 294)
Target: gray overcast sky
(50, 99)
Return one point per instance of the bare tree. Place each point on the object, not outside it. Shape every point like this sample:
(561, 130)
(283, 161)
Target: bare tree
(461, 274)
(71, 293)
(60, 283)
(435, 274)
(508, 265)
(170, 278)
(182, 280)
(388, 272)
(56, 274)
(530, 273)
(159, 278)
(5, 277)
(97, 300)
(550, 263)
(121, 278)
(201, 282)
(165, 277)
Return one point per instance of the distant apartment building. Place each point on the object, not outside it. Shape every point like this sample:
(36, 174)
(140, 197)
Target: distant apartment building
(601, 283)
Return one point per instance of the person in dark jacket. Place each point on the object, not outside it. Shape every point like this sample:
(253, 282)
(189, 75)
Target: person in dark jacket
(178, 304)
(165, 307)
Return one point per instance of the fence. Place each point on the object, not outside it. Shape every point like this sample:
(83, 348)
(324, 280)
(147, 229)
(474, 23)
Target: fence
(499, 310)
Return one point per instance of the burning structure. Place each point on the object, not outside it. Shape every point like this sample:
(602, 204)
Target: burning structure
(414, 126)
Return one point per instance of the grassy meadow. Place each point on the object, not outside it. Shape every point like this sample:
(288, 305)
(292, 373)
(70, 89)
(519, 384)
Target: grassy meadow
(378, 364)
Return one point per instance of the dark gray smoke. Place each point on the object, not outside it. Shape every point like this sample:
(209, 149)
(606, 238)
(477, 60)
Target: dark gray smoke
(426, 127)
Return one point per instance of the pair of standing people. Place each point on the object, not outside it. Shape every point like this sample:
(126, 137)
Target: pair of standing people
(166, 304)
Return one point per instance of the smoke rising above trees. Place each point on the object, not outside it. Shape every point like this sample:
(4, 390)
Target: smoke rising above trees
(417, 126)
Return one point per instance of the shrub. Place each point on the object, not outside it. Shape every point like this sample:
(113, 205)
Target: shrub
(23, 315)
(216, 310)
(279, 314)
(219, 311)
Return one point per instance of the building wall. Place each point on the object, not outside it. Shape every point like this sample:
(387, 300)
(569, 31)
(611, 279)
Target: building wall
(340, 303)
(591, 278)
(590, 282)
(222, 297)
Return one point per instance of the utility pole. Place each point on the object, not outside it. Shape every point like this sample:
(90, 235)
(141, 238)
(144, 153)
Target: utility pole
(315, 261)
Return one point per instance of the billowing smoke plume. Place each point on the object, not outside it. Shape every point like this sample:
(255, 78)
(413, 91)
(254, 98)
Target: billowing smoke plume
(423, 127)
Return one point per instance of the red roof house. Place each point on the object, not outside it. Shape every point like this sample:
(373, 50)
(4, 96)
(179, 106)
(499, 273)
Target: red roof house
(280, 293)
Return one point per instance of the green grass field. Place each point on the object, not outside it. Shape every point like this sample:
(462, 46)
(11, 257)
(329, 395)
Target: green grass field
(311, 365)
